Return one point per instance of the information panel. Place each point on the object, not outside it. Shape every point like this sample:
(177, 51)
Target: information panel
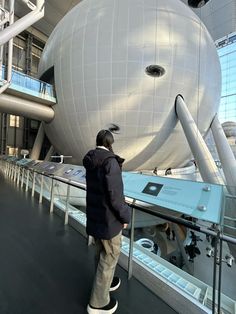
(196, 199)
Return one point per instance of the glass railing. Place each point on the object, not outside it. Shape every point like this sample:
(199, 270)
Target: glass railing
(178, 257)
(27, 84)
(229, 223)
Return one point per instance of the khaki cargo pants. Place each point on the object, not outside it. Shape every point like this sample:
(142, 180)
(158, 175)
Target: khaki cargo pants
(106, 258)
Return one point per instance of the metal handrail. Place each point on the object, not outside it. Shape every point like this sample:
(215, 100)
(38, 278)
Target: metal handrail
(133, 204)
(215, 232)
(29, 82)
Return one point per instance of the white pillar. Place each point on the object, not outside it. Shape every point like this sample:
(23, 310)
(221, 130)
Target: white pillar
(27, 181)
(207, 167)
(35, 153)
(49, 153)
(41, 189)
(226, 155)
(67, 205)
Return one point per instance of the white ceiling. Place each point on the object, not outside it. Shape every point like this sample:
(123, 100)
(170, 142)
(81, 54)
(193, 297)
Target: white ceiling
(218, 15)
(54, 11)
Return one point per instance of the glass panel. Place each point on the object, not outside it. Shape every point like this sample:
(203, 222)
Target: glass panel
(228, 276)
(29, 83)
(173, 252)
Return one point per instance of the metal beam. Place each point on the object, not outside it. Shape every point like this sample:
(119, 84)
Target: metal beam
(26, 108)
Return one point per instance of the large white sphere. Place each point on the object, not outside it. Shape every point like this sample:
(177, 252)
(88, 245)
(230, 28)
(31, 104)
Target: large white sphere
(100, 51)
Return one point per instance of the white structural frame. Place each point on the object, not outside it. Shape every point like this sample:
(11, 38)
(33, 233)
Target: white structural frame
(8, 17)
(15, 28)
(226, 155)
(23, 107)
(38, 143)
(20, 25)
(206, 164)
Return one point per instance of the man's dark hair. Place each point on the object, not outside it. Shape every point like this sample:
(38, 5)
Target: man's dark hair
(105, 138)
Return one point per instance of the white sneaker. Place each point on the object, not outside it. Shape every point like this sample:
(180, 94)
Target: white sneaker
(108, 309)
(115, 284)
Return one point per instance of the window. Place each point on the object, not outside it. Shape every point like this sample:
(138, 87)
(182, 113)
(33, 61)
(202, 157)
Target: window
(12, 150)
(14, 121)
(18, 58)
(227, 54)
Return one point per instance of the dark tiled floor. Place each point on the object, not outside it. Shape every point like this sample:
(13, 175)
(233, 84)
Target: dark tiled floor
(47, 268)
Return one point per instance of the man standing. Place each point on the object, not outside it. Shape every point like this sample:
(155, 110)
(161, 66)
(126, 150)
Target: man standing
(107, 214)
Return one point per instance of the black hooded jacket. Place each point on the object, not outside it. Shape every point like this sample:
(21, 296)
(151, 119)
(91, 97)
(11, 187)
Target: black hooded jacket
(106, 208)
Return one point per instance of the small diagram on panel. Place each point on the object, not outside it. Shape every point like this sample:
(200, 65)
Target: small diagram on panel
(152, 188)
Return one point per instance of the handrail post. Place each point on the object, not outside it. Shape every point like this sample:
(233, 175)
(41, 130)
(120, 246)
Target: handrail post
(13, 172)
(131, 243)
(27, 181)
(41, 189)
(23, 176)
(33, 184)
(18, 175)
(67, 203)
(216, 240)
(52, 196)
(220, 273)
(6, 169)
(9, 170)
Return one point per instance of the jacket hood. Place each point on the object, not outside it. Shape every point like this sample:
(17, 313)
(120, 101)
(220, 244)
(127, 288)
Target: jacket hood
(95, 158)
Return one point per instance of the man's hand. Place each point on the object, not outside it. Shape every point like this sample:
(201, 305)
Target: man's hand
(125, 226)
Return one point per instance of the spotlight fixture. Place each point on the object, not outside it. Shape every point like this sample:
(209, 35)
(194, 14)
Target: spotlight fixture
(155, 70)
(197, 3)
(210, 251)
(229, 260)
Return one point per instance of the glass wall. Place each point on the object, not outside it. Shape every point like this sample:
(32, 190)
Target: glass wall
(227, 54)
